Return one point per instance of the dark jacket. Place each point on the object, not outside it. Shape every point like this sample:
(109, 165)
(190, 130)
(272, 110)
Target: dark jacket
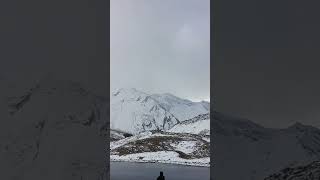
(161, 178)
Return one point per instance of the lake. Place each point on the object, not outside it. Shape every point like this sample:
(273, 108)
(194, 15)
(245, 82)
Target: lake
(150, 171)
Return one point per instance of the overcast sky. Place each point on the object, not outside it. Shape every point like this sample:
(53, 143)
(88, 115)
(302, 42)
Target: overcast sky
(160, 46)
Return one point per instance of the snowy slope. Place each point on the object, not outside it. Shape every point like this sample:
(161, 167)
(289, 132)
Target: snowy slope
(309, 172)
(134, 111)
(251, 151)
(116, 135)
(197, 125)
(176, 148)
(181, 108)
(44, 129)
(169, 157)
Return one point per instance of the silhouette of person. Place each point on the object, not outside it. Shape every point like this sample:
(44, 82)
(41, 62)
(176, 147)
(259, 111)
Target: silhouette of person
(161, 177)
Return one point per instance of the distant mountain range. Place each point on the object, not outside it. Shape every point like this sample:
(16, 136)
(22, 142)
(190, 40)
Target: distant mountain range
(251, 151)
(246, 149)
(52, 120)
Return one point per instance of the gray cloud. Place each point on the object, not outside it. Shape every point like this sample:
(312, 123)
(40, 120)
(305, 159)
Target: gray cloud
(161, 46)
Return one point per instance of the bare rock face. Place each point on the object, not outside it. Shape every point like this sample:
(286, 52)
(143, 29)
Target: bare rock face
(307, 172)
(55, 130)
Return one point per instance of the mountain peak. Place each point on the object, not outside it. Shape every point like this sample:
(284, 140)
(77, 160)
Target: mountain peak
(135, 111)
(128, 92)
(300, 126)
(128, 89)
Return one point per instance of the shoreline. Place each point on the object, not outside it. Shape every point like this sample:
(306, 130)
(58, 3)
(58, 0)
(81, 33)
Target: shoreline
(161, 161)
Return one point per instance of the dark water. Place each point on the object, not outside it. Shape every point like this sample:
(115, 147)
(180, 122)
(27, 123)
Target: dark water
(150, 171)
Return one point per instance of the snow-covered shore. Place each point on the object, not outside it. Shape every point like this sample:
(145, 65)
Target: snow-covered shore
(168, 157)
(170, 148)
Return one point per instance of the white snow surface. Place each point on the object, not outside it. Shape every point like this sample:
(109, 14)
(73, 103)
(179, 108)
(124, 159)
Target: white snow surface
(144, 135)
(134, 111)
(185, 146)
(197, 125)
(181, 108)
(171, 157)
(161, 157)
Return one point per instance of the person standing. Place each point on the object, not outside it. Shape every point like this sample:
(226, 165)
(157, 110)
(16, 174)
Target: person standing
(161, 177)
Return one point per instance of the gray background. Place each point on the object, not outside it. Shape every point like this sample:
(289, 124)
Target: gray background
(266, 61)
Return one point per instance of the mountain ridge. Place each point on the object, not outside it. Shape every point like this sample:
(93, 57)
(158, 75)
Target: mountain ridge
(136, 111)
(252, 151)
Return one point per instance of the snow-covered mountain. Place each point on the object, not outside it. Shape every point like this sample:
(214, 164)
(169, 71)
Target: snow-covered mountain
(251, 151)
(182, 109)
(197, 125)
(159, 128)
(134, 111)
(309, 172)
(53, 130)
